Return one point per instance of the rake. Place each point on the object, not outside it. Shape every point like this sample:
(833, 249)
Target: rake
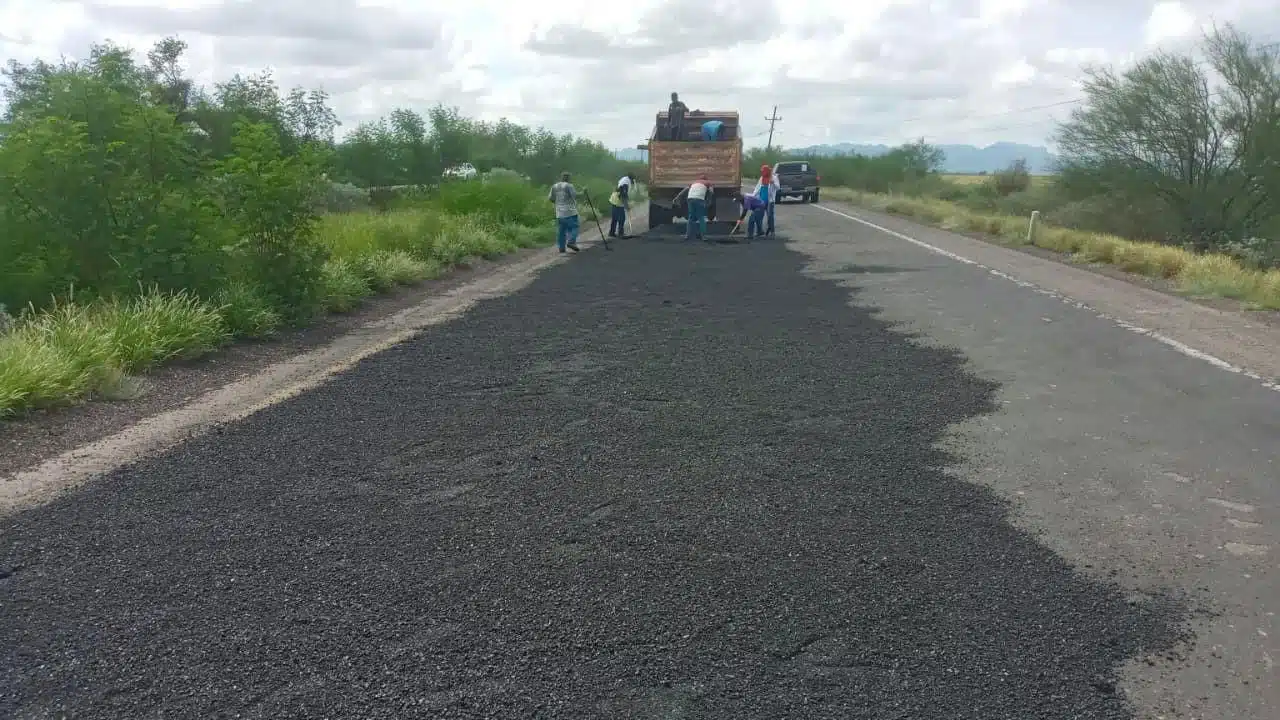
(603, 238)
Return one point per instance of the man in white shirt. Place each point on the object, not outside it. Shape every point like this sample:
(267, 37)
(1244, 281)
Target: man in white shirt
(697, 213)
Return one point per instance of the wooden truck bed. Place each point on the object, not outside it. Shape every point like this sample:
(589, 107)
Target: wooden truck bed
(677, 164)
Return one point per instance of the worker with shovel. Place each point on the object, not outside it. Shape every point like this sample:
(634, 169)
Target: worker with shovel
(754, 206)
(617, 215)
(695, 199)
(621, 205)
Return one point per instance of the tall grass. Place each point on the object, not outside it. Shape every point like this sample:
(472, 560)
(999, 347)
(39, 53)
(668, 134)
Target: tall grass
(72, 350)
(1209, 275)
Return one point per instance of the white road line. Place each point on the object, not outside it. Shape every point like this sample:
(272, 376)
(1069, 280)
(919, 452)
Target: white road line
(1168, 341)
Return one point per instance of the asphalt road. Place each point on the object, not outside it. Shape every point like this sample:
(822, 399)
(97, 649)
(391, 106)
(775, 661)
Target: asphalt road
(674, 481)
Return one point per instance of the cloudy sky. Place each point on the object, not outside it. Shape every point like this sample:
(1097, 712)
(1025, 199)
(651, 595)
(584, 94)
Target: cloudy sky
(839, 70)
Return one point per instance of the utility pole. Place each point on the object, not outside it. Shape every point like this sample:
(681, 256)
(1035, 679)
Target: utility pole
(772, 120)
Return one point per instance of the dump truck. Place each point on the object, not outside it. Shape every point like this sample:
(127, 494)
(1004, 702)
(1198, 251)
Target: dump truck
(675, 164)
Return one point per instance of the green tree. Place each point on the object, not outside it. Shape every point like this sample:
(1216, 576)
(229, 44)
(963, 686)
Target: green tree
(1159, 134)
(268, 197)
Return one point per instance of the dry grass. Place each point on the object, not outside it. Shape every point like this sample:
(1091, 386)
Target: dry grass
(966, 179)
(1197, 275)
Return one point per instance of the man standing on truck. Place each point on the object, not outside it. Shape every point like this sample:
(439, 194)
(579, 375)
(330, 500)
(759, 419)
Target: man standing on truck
(566, 199)
(675, 117)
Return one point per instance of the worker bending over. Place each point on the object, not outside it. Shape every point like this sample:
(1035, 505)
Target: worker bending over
(696, 196)
(767, 189)
(753, 206)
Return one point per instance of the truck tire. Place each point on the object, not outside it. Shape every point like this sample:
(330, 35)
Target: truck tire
(658, 215)
(814, 197)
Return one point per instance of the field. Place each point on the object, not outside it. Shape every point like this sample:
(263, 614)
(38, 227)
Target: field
(976, 179)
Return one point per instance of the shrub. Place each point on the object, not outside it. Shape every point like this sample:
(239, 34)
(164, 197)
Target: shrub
(344, 198)
(499, 200)
(1013, 179)
(500, 174)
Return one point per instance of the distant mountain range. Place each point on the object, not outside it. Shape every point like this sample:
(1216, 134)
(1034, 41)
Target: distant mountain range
(960, 158)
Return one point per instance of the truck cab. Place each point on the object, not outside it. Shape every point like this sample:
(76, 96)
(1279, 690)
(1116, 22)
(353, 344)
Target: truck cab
(797, 178)
(675, 164)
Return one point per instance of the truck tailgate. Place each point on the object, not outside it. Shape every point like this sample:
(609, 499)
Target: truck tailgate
(797, 180)
(676, 164)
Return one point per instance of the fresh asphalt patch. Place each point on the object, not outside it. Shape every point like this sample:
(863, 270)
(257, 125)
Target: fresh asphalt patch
(669, 481)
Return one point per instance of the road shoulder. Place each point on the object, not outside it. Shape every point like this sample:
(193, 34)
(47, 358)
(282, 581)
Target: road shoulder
(47, 452)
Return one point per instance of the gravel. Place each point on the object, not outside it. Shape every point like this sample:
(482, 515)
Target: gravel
(668, 481)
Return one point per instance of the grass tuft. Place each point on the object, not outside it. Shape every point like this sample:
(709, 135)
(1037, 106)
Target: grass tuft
(74, 350)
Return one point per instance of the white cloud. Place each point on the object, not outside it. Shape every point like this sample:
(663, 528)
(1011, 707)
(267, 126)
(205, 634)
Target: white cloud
(1169, 20)
(868, 71)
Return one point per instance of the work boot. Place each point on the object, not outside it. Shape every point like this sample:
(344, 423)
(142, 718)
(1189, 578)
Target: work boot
(574, 247)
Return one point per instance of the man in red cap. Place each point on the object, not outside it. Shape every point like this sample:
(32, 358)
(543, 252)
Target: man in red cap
(767, 189)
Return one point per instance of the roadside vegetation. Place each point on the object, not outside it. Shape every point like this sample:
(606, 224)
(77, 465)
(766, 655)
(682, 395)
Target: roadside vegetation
(145, 219)
(1170, 169)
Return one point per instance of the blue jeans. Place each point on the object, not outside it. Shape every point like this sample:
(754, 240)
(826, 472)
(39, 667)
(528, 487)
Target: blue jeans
(618, 221)
(755, 223)
(697, 218)
(566, 229)
(771, 206)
